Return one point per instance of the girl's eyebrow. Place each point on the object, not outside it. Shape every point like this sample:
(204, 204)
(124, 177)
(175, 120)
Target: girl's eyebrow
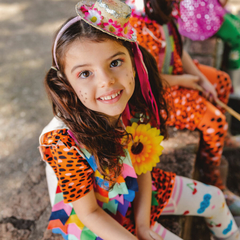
(77, 66)
(84, 65)
(118, 53)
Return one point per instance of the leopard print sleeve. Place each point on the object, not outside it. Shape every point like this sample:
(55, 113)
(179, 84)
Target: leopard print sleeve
(74, 174)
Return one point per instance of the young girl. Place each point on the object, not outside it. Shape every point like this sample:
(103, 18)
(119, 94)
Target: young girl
(202, 19)
(107, 96)
(157, 32)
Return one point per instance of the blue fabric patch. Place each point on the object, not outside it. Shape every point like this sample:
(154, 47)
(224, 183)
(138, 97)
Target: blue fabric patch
(205, 203)
(132, 183)
(122, 208)
(228, 229)
(61, 215)
(102, 183)
(59, 231)
(91, 161)
(130, 196)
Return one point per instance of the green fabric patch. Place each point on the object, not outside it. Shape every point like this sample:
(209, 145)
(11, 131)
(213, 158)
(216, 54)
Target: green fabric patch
(111, 206)
(87, 234)
(58, 198)
(154, 200)
(118, 189)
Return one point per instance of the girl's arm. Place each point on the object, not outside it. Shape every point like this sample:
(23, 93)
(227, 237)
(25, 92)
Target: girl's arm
(190, 68)
(98, 221)
(183, 80)
(142, 208)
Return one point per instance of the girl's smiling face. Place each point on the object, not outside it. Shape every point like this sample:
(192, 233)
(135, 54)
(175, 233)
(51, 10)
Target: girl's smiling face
(102, 75)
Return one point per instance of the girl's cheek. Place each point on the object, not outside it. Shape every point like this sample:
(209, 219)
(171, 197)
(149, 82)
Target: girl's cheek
(81, 97)
(132, 78)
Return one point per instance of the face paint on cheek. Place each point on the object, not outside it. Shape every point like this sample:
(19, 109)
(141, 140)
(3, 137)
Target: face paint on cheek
(80, 96)
(132, 80)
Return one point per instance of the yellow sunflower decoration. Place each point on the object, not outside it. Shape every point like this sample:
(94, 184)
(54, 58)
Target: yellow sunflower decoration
(145, 147)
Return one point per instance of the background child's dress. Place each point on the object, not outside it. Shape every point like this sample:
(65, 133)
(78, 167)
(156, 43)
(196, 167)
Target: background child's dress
(189, 109)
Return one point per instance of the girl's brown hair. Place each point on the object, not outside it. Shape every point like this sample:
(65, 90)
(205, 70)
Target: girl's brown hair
(159, 10)
(92, 129)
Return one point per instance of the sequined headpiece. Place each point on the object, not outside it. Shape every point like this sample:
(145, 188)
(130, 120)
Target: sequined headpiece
(109, 16)
(112, 17)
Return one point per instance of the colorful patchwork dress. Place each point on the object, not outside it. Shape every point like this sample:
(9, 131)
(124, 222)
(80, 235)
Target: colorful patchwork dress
(72, 173)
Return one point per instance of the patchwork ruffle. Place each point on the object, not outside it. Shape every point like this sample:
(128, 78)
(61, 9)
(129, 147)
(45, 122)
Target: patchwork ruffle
(116, 202)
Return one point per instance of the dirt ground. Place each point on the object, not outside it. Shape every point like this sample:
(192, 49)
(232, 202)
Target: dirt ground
(26, 32)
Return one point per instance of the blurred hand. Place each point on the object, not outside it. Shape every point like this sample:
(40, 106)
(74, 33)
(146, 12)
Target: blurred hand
(189, 81)
(145, 233)
(209, 90)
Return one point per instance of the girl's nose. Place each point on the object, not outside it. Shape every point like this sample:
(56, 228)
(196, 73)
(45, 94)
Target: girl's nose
(106, 79)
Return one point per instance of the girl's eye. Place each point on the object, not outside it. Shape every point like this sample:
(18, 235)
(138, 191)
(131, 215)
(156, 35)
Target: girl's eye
(116, 63)
(85, 74)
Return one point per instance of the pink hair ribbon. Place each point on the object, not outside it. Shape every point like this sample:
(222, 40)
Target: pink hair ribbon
(144, 81)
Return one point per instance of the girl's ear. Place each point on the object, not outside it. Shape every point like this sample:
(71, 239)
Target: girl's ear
(134, 73)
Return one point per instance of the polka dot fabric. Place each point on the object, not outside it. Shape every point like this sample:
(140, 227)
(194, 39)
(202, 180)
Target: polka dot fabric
(189, 110)
(214, 128)
(187, 106)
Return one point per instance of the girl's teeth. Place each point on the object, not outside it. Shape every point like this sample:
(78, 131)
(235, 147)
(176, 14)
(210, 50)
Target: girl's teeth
(110, 97)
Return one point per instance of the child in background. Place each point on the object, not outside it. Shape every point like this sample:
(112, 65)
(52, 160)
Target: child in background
(157, 32)
(201, 19)
(103, 143)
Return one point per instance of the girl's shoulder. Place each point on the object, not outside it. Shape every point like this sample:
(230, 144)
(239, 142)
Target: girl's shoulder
(55, 136)
(55, 126)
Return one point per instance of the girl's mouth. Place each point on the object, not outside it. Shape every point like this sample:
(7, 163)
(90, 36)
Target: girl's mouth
(111, 98)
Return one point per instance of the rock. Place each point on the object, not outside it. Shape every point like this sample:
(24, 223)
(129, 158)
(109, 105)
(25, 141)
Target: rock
(48, 235)
(40, 225)
(8, 231)
(208, 52)
(30, 201)
(26, 214)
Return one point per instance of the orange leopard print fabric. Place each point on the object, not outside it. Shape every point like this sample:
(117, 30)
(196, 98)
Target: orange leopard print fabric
(75, 176)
